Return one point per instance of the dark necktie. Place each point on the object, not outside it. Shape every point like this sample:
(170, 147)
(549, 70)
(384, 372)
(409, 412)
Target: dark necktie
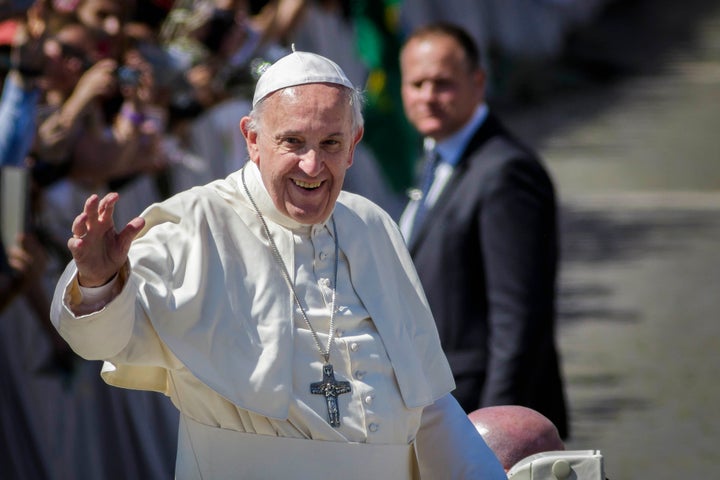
(432, 160)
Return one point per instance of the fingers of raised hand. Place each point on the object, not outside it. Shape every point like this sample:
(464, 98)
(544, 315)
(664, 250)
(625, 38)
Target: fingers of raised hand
(106, 208)
(82, 223)
(80, 227)
(96, 217)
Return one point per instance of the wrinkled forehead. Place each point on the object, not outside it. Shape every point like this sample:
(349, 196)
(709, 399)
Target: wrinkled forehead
(307, 104)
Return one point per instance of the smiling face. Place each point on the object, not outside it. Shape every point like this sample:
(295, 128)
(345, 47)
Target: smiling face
(303, 143)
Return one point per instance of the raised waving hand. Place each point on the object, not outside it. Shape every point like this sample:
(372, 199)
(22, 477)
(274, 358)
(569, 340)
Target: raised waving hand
(97, 248)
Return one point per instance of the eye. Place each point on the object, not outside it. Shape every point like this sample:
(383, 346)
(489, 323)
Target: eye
(332, 144)
(290, 142)
(444, 85)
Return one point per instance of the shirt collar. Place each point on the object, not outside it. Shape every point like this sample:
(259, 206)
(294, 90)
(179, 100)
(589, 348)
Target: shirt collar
(452, 147)
(263, 201)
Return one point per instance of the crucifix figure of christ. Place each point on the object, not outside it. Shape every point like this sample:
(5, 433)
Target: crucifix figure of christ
(331, 388)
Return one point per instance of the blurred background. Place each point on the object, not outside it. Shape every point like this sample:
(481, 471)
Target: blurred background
(620, 97)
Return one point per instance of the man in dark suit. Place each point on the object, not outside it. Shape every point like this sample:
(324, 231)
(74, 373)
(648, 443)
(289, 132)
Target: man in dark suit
(484, 235)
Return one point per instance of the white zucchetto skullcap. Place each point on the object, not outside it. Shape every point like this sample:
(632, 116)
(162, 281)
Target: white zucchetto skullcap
(299, 68)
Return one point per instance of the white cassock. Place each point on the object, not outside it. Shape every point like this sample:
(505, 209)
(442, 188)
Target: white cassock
(203, 314)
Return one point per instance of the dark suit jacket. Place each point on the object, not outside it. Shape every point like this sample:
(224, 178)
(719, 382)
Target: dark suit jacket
(486, 254)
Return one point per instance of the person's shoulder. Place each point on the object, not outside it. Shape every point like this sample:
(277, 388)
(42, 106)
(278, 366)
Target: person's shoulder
(362, 207)
(363, 212)
(501, 150)
(196, 209)
(368, 221)
(194, 199)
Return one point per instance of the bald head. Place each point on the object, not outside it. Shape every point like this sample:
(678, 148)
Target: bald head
(513, 432)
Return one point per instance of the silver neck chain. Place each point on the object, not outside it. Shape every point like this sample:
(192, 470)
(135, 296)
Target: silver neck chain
(283, 268)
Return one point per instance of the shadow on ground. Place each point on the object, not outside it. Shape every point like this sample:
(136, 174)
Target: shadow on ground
(618, 235)
(604, 288)
(618, 238)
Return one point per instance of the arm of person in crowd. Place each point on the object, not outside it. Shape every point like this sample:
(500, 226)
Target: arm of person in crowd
(17, 113)
(449, 446)
(59, 129)
(135, 145)
(80, 129)
(20, 97)
(277, 19)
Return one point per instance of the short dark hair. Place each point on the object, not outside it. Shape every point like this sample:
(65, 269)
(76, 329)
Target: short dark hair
(460, 35)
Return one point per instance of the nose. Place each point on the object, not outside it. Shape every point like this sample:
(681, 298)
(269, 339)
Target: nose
(310, 162)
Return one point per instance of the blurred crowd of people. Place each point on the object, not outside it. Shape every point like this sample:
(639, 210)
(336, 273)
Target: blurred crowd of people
(103, 95)
(144, 97)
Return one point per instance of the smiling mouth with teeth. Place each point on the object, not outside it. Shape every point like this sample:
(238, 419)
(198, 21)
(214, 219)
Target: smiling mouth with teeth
(306, 185)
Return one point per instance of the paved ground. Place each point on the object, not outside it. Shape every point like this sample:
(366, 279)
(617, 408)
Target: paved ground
(637, 166)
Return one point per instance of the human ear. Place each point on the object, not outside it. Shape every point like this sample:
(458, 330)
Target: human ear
(251, 136)
(356, 140)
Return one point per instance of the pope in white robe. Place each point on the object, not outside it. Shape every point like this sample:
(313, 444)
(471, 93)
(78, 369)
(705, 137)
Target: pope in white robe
(234, 298)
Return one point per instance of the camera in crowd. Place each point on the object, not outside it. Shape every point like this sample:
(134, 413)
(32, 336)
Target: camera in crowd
(128, 76)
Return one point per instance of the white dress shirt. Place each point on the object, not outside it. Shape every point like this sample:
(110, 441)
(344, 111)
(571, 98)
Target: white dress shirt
(450, 151)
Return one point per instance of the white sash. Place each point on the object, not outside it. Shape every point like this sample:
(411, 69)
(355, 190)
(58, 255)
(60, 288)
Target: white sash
(212, 453)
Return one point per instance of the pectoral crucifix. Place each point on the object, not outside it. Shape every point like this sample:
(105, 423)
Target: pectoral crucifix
(331, 388)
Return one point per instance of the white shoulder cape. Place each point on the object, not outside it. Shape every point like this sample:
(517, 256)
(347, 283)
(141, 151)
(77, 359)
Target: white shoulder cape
(203, 277)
